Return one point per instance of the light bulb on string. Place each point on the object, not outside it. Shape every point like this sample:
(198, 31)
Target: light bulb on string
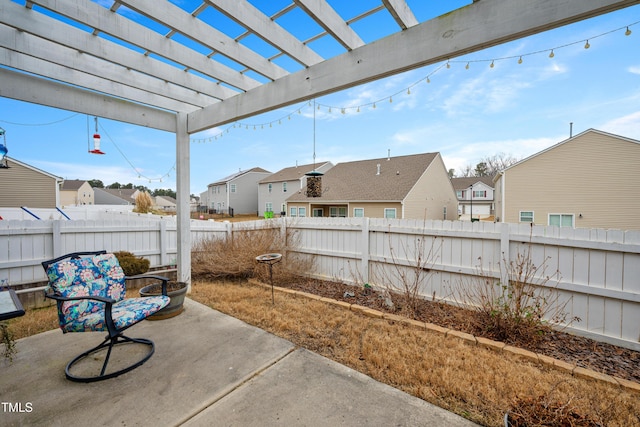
(358, 110)
(466, 67)
(409, 91)
(329, 109)
(628, 32)
(448, 65)
(390, 100)
(428, 81)
(342, 111)
(374, 105)
(551, 55)
(587, 45)
(492, 65)
(520, 60)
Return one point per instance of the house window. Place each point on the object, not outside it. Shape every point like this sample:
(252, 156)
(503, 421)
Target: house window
(561, 220)
(526, 216)
(268, 207)
(270, 187)
(479, 193)
(284, 187)
(358, 212)
(336, 211)
(302, 211)
(390, 213)
(293, 212)
(444, 213)
(317, 212)
(233, 188)
(459, 194)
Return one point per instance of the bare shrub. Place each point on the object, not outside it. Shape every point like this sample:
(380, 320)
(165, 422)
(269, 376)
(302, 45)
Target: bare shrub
(525, 307)
(144, 203)
(235, 257)
(403, 282)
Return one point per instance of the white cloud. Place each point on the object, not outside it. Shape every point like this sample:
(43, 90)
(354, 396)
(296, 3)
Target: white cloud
(627, 126)
(634, 69)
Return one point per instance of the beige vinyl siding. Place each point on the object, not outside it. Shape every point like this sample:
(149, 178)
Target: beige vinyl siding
(432, 192)
(595, 174)
(22, 186)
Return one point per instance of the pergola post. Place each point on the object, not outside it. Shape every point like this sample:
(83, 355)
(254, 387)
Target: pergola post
(183, 210)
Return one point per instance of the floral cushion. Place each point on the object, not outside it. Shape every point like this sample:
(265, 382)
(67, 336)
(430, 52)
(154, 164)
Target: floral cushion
(102, 276)
(125, 313)
(74, 278)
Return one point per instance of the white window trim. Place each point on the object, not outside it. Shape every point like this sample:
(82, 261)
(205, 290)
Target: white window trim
(395, 213)
(533, 217)
(358, 209)
(573, 219)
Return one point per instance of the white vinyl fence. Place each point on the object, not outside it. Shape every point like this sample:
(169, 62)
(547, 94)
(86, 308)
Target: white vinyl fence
(599, 270)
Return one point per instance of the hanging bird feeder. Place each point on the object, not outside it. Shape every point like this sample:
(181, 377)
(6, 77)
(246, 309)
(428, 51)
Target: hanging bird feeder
(96, 141)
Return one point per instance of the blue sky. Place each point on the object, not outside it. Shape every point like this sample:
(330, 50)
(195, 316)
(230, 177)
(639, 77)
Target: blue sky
(465, 114)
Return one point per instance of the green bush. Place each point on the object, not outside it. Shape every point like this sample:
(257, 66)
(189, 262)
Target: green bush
(131, 264)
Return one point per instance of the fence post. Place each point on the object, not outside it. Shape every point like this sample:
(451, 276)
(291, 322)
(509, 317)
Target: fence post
(365, 250)
(164, 239)
(56, 238)
(505, 239)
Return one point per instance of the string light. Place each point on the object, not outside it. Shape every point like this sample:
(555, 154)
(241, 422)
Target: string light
(427, 79)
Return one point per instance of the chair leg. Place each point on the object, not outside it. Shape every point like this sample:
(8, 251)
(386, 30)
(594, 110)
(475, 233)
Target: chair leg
(109, 343)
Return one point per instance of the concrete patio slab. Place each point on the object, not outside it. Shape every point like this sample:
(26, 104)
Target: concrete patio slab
(208, 369)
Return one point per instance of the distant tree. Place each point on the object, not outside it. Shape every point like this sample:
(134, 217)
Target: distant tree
(489, 166)
(115, 185)
(141, 188)
(466, 171)
(451, 172)
(498, 162)
(164, 192)
(129, 186)
(96, 183)
(480, 170)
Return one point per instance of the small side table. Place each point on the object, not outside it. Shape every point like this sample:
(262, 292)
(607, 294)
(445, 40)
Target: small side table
(270, 259)
(10, 305)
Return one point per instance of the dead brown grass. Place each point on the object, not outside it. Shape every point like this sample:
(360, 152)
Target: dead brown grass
(474, 382)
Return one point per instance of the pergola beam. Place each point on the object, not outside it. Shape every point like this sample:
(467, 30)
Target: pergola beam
(469, 29)
(332, 23)
(36, 90)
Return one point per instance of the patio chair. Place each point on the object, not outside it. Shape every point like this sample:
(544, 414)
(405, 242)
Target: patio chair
(89, 289)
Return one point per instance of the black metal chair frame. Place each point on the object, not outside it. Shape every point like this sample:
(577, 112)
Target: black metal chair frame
(114, 336)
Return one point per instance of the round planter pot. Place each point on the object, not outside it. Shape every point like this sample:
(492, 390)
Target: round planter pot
(175, 290)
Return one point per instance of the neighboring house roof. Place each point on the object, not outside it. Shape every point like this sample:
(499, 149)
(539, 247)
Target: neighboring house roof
(168, 199)
(238, 174)
(72, 184)
(292, 173)
(114, 196)
(466, 182)
(384, 179)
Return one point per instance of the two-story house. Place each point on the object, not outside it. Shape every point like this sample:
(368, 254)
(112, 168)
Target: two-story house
(236, 193)
(475, 197)
(76, 192)
(587, 181)
(274, 190)
(414, 186)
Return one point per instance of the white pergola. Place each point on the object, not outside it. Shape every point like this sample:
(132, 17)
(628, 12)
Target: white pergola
(154, 64)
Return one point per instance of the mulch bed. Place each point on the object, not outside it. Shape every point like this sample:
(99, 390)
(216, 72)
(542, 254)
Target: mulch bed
(583, 352)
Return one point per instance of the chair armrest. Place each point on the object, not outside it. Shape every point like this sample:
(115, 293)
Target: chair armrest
(163, 279)
(108, 301)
